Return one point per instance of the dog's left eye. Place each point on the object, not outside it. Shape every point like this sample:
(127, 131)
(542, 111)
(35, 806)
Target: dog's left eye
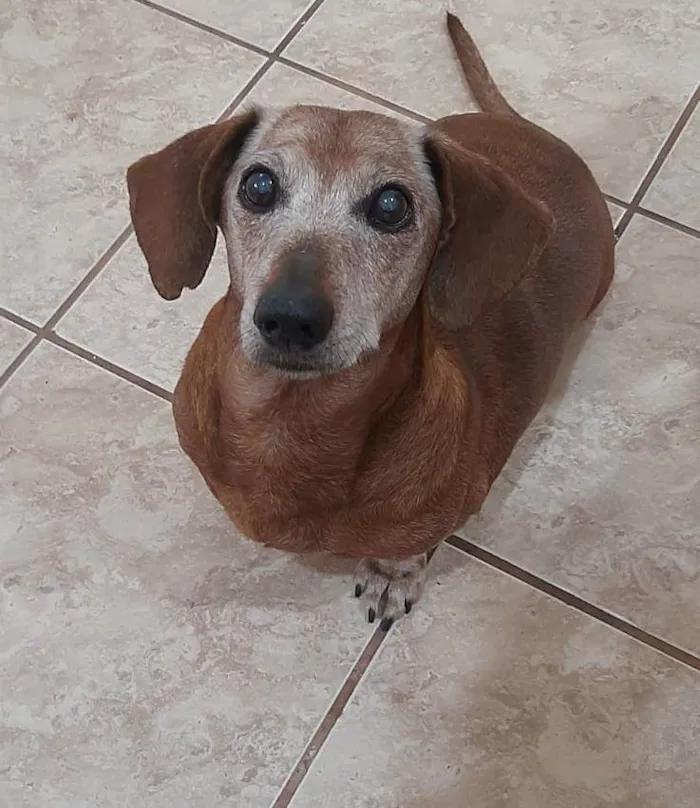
(389, 209)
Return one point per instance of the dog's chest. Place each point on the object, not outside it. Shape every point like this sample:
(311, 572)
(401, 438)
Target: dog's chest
(291, 462)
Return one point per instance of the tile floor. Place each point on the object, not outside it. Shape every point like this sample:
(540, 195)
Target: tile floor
(152, 658)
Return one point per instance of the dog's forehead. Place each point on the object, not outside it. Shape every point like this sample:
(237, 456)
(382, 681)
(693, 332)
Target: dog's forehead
(336, 141)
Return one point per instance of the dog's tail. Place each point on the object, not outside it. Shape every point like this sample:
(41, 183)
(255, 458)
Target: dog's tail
(483, 87)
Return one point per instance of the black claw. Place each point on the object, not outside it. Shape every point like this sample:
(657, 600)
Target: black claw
(407, 605)
(386, 623)
(358, 590)
(371, 615)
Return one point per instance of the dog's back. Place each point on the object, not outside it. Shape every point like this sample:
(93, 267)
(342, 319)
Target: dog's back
(519, 343)
(543, 164)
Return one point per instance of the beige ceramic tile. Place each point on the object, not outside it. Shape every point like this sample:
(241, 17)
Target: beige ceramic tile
(676, 191)
(610, 77)
(602, 493)
(91, 85)
(122, 318)
(262, 23)
(494, 696)
(151, 657)
(12, 340)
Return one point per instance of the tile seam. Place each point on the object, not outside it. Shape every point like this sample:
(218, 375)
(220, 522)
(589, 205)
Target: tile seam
(659, 160)
(330, 719)
(352, 89)
(202, 26)
(668, 222)
(575, 602)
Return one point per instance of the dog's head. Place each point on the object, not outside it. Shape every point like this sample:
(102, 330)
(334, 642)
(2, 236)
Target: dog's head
(334, 222)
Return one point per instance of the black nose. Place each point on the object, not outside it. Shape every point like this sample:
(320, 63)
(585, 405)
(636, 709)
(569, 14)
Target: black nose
(293, 321)
(294, 313)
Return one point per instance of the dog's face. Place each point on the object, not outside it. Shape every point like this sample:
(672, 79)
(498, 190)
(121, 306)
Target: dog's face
(330, 220)
(334, 221)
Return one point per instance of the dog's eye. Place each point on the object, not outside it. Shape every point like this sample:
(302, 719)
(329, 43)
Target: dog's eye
(389, 209)
(258, 190)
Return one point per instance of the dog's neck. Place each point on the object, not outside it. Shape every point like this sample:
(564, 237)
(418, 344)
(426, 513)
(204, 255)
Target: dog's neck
(356, 396)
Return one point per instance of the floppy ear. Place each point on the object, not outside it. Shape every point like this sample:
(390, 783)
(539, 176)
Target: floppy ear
(174, 198)
(493, 234)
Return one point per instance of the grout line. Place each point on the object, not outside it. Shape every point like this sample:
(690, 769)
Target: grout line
(202, 26)
(17, 319)
(28, 348)
(18, 360)
(88, 278)
(248, 86)
(575, 602)
(353, 90)
(661, 219)
(298, 25)
(659, 160)
(330, 719)
(46, 334)
(616, 201)
(620, 204)
(105, 364)
(333, 714)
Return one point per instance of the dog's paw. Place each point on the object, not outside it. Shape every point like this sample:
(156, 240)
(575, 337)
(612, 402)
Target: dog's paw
(389, 589)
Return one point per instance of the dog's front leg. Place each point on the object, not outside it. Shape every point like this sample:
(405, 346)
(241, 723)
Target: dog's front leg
(389, 588)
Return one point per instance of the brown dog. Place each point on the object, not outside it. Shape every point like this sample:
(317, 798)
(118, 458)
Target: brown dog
(400, 302)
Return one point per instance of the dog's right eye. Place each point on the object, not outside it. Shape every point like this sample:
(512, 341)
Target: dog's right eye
(258, 191)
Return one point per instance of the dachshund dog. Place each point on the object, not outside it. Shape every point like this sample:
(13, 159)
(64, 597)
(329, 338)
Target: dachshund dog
(400, 301)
